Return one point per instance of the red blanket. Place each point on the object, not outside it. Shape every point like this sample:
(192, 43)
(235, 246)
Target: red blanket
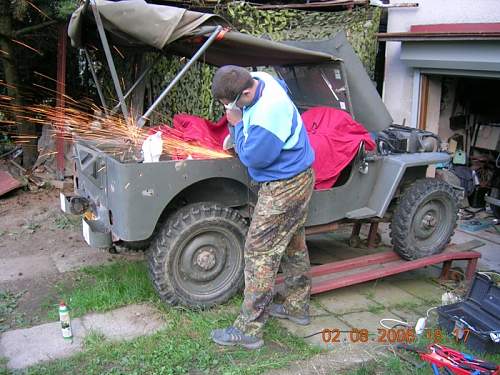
(195, 130)
(334, 136)
(205, 132)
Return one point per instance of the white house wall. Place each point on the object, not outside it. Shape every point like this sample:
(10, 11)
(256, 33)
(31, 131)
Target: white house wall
(398, 83)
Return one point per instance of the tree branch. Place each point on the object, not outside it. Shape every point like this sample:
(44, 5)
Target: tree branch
(30, 29)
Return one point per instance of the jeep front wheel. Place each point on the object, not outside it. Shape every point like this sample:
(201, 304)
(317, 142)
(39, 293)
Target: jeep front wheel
(424, 219)
(197, 257)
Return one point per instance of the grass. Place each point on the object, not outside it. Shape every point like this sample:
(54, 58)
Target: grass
(106, 287)
(183, 346)
(375, 309)
(31, 226)
(3, 366)
(409, 306)
(8, 303)
(62, 221)
(390, 366)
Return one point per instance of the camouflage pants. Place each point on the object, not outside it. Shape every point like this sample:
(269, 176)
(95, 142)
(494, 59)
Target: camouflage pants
(277, 235)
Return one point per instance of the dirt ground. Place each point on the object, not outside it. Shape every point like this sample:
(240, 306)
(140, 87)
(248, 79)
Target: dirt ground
(40, 246)
(32, 224)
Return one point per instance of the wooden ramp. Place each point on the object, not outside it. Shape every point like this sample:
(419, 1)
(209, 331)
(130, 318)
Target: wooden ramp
(357, 270)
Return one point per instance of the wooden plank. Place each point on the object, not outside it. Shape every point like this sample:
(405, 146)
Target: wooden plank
(361, 277)
(8, 183)
(344, 265)
(374, 266)
(322, 228)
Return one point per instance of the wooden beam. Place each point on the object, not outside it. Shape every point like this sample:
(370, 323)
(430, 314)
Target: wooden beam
(423, 102)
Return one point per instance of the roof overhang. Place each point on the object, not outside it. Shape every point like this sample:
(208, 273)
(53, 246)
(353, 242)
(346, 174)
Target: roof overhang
(455, 49)
(445, 31)
(480, 57)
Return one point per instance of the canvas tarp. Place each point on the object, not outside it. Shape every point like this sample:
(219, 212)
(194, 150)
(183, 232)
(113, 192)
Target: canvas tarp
(246, 50)
(137, 23)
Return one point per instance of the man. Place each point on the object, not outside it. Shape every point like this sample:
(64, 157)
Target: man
(271, 141)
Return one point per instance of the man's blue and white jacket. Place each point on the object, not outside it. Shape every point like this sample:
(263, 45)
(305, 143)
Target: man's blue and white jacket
(271, 139)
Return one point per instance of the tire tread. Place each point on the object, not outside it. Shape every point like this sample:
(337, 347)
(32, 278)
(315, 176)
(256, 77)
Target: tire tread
(400, 225)
(163, 244)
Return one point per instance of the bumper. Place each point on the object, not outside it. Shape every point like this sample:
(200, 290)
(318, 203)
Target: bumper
(95, 232)
(65, 203)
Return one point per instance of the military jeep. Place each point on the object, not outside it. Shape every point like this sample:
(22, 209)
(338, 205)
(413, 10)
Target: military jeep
(192, 215)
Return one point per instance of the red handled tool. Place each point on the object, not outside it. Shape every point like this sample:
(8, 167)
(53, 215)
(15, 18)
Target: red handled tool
(452, 361)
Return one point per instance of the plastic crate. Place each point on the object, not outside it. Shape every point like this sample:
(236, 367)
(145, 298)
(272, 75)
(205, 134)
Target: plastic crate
(481, 311)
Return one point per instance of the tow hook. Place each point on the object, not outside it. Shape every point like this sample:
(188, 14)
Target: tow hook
(78, 205)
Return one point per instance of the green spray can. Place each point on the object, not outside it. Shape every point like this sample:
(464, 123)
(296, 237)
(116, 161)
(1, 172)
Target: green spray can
(65, 321)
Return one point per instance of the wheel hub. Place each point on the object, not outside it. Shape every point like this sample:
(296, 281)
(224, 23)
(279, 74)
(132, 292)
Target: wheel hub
(205, 258)
(429, 221)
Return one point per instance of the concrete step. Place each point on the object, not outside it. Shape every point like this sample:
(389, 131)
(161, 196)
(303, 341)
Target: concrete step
(29, 346)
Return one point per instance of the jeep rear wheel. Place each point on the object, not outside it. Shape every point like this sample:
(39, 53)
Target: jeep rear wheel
(197, 257)
(424, 219)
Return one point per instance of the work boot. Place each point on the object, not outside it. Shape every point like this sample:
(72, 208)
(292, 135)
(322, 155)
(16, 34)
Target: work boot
(278, 311)
(233, 336)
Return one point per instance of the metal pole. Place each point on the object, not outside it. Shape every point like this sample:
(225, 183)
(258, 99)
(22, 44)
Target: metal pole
(203, 48)
(109, 58)
(96, 81)
(139, 80)
(60, 99)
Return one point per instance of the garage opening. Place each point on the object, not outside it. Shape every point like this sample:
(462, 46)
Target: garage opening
(464, 112)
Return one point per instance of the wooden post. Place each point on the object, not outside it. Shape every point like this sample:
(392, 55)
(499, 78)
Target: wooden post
(424, 102)
(356, 228)
(471, 269)
(445, 271)
(372, 235)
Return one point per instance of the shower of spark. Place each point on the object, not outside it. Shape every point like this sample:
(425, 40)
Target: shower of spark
(74, 122)
(38, 9)
(119, 52)
(27, 46)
